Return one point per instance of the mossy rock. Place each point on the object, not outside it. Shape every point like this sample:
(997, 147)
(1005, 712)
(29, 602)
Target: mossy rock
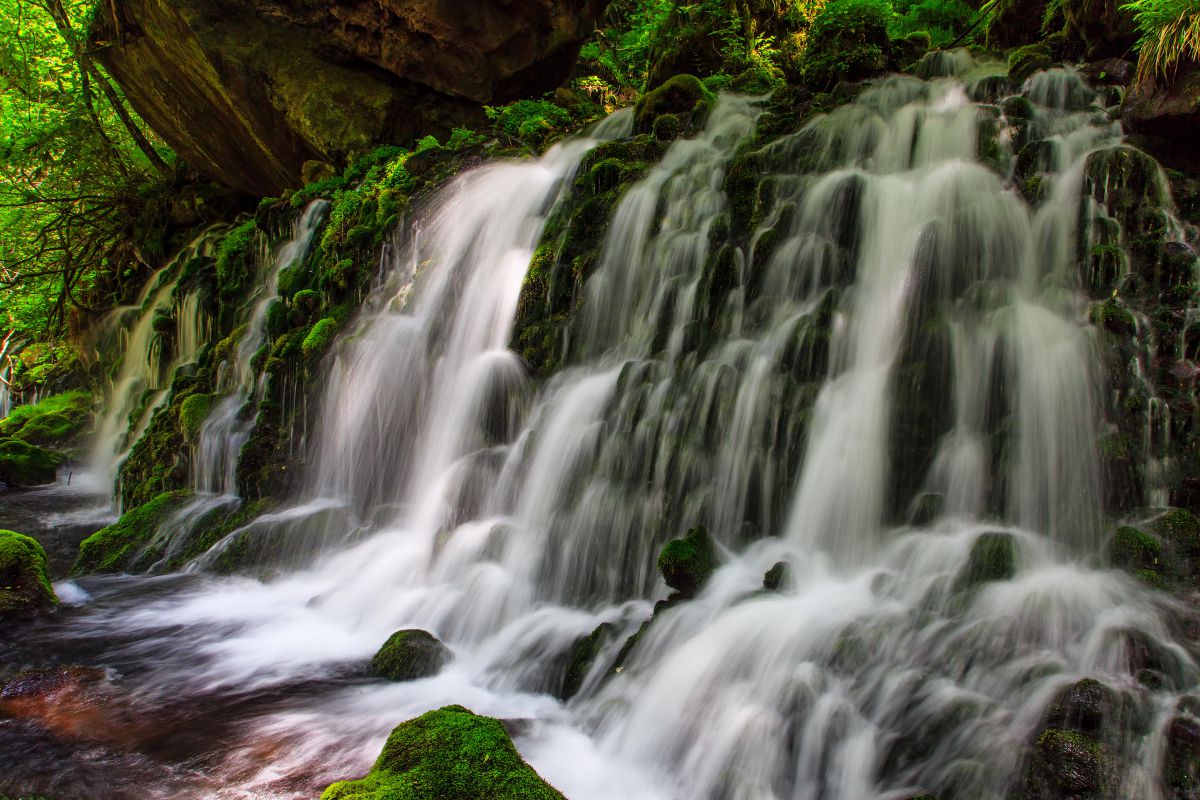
(1182, 529)
(319, 337)
(24, 585)
(448, 754)
(74, 407)
(1067, 764)
(685, 96)
(409, 655)
(1135, 551)
(776, 577)
(583, 654)
(192, 413)
(115, 547)
(1085, 706)
(25, 464)
(1024, 61)
(993, 557)
(687, 563)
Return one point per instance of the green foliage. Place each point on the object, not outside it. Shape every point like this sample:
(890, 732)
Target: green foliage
(848, 42)
(114, 548)
(53, 419)
(83, 197)
(24, 584)
(529, 122)
(237, 258)
(447, 754)
(943, 20)
(1168, 35)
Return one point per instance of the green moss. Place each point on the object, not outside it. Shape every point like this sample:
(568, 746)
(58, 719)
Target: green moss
(1071, 761)
(192, 414)
(684, 96)
(993, 557)
(1134, 550)
(73, 406)
(1114, 317)
(1024, 61)
(24, 585)
(114, 548)
(1181, 529)
(848, 41)
(447, 754)
(408, 655)
(687, 563)
(25, 464)
(319, 337)
(236, 259)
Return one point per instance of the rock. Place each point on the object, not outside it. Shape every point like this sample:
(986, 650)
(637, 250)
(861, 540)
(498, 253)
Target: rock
(1070, 764)
(1103, 27)
(408, 655)
(25, 464)
(1024, 61)
(449, 754)
(1136, 552)
(116, 547)
(993, 557)
(776, 577)
(24, 585)
(583, 654)
(683, 96)
(1181, 767)
(1084, 707)
(1116, 71)
(249, 93)
(1165, 116)
(687, 563)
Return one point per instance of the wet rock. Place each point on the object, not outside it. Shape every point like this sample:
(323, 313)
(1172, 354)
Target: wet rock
(452, 754)
(1024, 61)
(1165, 115)
(1084, 707)
(1111, 70)
(1138, 553)
(24, 585)
(583, 655)
(117, 546)
(408, 655)
(25, 464)
(993, 557)
(686, 563)
(1181, 767)
(251, 93)
(1104, 28)
(683, 97)
(776, 577)
(1068, 764)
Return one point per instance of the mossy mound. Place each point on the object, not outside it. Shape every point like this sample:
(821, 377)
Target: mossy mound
(192, 413)
(1139, 553)
(319, 337)
(115, 547)
(53, 420)
(447, 754)
(24, 585)
(1065, 764)
(25, 464)
(684, 97)
(993, 557)
(408, 655)
(687, 563)
(1024, 61)
(848, 42)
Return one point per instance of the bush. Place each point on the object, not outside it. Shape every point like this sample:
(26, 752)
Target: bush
(848, 42)
(1168, 34)
(529, 122)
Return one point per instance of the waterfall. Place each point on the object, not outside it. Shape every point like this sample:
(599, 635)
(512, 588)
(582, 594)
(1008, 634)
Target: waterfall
(141, 384)
(890, 371)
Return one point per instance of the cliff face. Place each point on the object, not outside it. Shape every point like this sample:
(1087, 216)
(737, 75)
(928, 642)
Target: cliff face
(250, 92)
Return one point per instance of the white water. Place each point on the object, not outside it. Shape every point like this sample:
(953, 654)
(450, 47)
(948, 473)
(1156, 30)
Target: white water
(510, 519)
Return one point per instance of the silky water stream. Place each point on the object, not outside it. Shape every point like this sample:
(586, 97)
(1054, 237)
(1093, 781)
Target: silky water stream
(903, 326)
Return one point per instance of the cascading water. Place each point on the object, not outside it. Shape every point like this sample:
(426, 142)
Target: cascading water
(893, 375)
(140, 386)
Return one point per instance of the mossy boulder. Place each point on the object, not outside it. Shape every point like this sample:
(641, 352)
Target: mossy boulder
(192, 413)
(993, 557)
(583, 654)
(1181, 767)
(688, 562)
(1065, 764)
(408, 655)
(319, 337)
(25, 464)
(116, 547)
(24, 585)
(848, 41)
(1137, 552)
(685, 97)
(448, 754)
(1024, 61)
(776, 577)
(53, 420)
(1084, 707)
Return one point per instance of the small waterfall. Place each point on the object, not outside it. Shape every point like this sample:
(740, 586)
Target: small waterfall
(142, 382)
(885, 368)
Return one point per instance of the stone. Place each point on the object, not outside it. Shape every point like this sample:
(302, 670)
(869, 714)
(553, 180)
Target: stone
(1164, 117)
(409, 655)
(24, 585)
(250, 93)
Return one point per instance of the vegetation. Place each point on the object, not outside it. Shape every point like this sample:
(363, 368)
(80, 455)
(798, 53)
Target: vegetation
(24, 585)
(115, 547)
(1168, 35)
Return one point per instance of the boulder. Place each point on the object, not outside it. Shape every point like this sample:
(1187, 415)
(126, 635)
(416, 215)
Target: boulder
(1164, 117)
(249, 93)
(408, 655)
(24, 585)
(687, 563)
(450, 754)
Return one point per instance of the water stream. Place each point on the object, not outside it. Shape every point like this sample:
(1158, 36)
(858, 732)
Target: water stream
(903, 365)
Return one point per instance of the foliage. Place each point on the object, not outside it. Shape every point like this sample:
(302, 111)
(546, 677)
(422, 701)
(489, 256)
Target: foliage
(944, 20)
(79, 179)
(849, 41)
(528, 122)
(1168, 35)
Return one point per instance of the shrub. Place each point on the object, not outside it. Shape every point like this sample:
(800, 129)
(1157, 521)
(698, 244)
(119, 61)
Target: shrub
(1168, 33)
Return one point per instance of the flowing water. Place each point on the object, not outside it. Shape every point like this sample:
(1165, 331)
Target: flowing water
(901, 369)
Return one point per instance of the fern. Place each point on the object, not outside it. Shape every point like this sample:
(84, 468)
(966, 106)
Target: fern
(1169, 33)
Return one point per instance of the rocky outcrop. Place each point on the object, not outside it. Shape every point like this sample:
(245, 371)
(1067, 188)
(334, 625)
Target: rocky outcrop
(249, 93)
(1164, 116)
